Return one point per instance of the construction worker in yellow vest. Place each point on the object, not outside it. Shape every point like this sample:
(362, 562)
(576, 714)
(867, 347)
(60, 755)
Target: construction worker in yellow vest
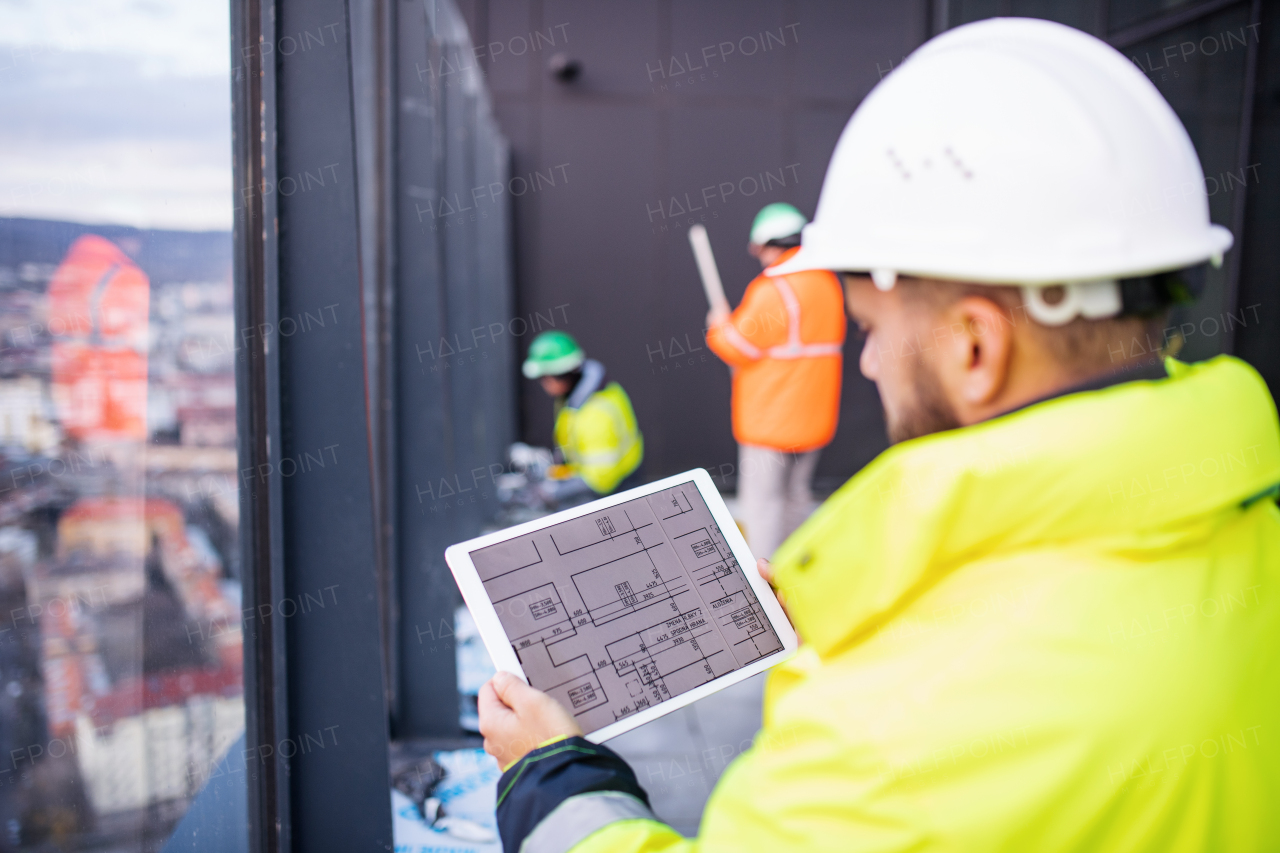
(783, 343)
(595, 428)
(1046, 618)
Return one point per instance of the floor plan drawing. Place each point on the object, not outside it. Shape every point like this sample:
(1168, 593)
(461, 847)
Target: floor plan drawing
(617, 611)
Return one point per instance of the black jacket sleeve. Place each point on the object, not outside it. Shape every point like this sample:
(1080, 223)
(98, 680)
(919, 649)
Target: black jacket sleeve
(533, 787)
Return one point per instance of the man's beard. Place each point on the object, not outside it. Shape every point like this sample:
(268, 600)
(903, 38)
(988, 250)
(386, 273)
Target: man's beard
(927, 412)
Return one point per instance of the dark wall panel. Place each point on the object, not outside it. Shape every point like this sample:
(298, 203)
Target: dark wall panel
(1206, 93)
(727, 49)
(1259, 340)
(845, 48)
(592, 253)
(506, 20)
(676, 96)
(817, 129)
(614, 41)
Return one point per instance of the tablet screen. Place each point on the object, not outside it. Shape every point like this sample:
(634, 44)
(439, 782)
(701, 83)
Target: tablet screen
(622, 609)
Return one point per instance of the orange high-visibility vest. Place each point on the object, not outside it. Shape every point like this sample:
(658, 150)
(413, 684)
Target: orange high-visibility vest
(99, 309)
(784, 342)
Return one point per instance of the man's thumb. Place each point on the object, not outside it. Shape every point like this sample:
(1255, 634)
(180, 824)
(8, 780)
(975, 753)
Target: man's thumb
(510, 689)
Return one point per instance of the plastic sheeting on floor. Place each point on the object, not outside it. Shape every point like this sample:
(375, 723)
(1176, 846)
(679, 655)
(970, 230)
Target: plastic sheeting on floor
(468, 792)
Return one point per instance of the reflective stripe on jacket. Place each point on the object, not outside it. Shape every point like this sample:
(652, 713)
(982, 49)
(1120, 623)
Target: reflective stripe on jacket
(785, 342)
(1057, 630)
(596, 431)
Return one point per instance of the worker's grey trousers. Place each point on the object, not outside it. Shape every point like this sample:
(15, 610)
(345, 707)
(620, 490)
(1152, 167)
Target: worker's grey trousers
(774, 494)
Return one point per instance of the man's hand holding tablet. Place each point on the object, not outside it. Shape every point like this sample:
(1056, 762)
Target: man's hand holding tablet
(515, 718)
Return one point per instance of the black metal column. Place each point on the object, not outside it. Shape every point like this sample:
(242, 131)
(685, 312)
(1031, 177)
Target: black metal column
(317, 712)
(455, 362)
(427, 698)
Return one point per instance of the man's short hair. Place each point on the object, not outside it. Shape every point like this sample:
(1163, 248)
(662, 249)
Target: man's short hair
(1082, 344)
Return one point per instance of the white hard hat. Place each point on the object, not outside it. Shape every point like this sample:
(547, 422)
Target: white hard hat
(1014, 151)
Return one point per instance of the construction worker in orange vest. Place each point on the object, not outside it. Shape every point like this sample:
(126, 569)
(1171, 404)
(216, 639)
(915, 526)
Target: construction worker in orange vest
(784, 345)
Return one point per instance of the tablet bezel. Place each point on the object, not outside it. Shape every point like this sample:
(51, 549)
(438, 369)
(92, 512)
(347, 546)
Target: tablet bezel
(498, 643)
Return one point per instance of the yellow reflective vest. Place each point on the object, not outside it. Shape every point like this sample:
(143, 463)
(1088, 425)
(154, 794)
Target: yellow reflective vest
(1058, 630)
(597, 433)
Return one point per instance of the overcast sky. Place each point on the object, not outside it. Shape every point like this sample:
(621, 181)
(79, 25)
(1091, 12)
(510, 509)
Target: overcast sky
(116, 111)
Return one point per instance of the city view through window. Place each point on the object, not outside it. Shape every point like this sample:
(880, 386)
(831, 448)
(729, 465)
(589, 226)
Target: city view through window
(120, 622)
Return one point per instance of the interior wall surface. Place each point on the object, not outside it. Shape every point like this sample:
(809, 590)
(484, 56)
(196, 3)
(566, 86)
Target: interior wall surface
(681, 112)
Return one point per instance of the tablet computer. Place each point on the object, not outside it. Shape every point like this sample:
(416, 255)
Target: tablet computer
(625, 608)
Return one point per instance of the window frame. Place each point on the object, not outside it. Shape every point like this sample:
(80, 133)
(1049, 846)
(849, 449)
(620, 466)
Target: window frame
(297, 392)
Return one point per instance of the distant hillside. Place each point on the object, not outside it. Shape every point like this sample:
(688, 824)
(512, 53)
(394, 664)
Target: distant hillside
(166, 256)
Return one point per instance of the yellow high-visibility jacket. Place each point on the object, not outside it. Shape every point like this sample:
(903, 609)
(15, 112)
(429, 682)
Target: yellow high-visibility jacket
(1058, 630)
(596, 431)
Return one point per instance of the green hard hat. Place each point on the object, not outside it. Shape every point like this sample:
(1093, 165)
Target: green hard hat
(775, 221)
(551, 354)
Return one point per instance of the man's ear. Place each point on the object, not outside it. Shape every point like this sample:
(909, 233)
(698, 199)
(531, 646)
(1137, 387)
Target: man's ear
(975, 363)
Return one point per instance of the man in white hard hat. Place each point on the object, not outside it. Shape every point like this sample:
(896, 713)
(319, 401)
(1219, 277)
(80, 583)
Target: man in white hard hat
(784, 343)
(1045, 618)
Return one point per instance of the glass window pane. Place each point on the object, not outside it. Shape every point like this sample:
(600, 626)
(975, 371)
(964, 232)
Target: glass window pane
(120, 639)
(1200, 69)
